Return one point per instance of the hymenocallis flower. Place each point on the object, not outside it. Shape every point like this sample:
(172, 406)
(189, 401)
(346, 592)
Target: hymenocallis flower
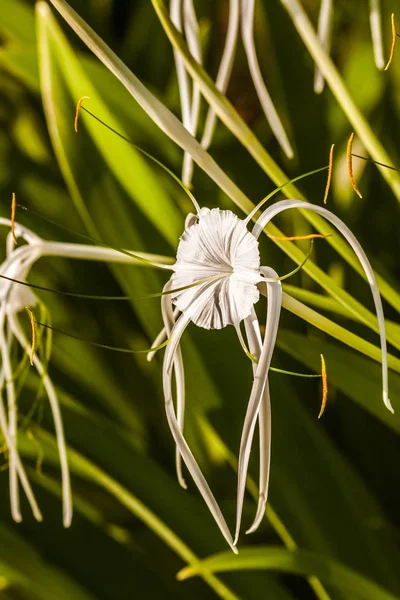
(15, 297)
(218, 264)
(216, 281)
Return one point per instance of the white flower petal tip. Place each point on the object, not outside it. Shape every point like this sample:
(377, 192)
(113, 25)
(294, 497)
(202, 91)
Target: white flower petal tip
(234, 549)
(259, 514)
(387, 402)
(217, 246)
(17, 518)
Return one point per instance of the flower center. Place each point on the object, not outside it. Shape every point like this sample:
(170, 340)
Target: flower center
(218, 244)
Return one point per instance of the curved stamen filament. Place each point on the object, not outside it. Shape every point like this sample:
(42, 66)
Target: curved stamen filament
(95, 297)
(255, 210)
(298, 268)
(157, 162)
(105, 346)
(367, 158)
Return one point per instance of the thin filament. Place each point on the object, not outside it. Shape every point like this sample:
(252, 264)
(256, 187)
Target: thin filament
(98, 242)
(278, 189)
(157, 162)
(350, 165)
(376, 162)
(105, 346)
(95, 297)
(292, 238)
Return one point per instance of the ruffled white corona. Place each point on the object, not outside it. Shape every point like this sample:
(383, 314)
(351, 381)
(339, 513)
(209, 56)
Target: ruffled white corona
(217, 244)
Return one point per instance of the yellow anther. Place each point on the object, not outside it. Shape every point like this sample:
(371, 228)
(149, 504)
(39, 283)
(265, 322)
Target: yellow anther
(34, 333)
(78, 110)
(394, 39)
(292, 238)
(13, 211)
(350, 165)
(324, 386)
(330, 168)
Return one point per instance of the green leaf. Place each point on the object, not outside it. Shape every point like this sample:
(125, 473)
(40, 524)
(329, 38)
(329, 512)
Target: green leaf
(355, 375)
(299, 562)
(124, 161)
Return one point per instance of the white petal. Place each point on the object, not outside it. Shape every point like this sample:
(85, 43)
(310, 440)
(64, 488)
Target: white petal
(169, 323)
(225, 69)
(12, 419)
(218, 244)
(260, 380)
(324, 36)
(376, 32)
(264, 421)
(180, 441)
(283, 205)
(262, 92)
(57, 418)
(193, 40)
(14, 456)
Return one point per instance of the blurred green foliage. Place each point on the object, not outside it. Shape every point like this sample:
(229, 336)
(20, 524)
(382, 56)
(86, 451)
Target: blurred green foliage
(333, 481)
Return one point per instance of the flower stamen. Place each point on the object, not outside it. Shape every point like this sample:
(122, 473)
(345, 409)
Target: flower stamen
(350, 165)
(394, 40)
(78, 111)
(330, 169)
(13, 211)
(324, 386)
(34, 333)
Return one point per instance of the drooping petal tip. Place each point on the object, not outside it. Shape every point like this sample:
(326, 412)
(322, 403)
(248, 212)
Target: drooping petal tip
(387, 402)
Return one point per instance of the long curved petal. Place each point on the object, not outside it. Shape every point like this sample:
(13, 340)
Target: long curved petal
(175, 12)
(264, 421)
(260, 379)
(180, 441)
(12, 421)
(161, 337)
(169, 323)
(225, 69)
(262, 92)
(283, 205)
(376, 32)
(324, 36)
(191, 27)
(10, 441)
(58, 424)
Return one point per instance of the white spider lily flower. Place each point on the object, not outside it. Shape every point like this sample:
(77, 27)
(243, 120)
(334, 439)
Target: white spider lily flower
(14, 298)
(325, 30)
(218, 253)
